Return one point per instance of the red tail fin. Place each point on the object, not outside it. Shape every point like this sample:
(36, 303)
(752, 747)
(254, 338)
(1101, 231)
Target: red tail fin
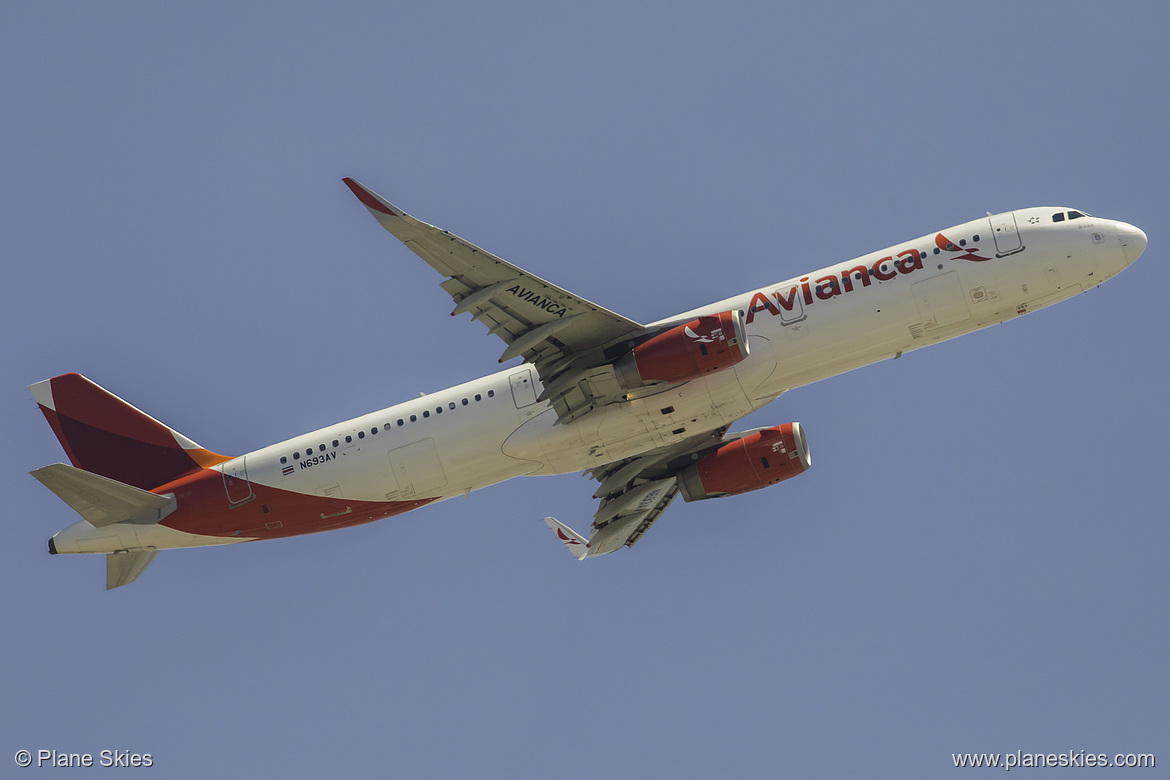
(103, 434)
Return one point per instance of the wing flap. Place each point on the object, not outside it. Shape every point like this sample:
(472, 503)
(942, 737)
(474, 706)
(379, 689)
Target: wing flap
(622, 520)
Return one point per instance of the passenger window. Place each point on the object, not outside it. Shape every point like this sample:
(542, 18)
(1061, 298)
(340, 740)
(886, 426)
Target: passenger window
(451, 405)
(386, 426)
(438, 410)
(478, 397)
(361, 434)
(296, 456)
(283, 459)
(491, 393)
(414, 418)
(401, 422)
(322, 448)
(465, 402)
(349, 440)
(426, 414)
(335, 442)
(374, 431)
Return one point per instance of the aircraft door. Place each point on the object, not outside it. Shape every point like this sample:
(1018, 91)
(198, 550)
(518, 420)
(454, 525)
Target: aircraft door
(523, 388)
(235, 481)
(1007, 237)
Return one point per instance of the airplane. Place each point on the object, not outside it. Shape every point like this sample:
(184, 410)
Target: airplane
(645, 410)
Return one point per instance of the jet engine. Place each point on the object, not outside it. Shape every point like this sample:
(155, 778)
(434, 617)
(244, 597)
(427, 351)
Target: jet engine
(701, 346)
(755, 461)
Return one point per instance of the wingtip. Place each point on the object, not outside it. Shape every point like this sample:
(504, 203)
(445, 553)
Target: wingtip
(577, 545)
(368, 199)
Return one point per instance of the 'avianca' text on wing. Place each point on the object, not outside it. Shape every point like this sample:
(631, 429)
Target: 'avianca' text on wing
(645, 410)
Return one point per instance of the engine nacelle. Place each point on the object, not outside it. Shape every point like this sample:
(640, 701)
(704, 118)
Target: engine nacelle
(757, 460)
(687, 351)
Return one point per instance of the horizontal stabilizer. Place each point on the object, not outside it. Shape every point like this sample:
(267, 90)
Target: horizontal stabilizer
(576, 543)
(103, 501)
(122, 568)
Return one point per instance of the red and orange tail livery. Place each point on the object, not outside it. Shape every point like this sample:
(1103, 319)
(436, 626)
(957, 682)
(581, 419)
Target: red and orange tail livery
(104, 435)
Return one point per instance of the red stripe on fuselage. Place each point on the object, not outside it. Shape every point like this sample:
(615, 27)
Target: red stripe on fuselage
(271, 513)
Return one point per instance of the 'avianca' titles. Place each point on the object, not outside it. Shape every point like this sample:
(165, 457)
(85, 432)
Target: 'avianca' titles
(884, 269)
(645, 410)
(536, 299)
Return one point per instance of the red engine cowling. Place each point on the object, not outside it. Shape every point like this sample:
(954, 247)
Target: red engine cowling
(760, 459)
(686, 351)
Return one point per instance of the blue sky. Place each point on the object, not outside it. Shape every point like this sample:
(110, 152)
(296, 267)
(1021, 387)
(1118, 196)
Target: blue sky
(975, 563)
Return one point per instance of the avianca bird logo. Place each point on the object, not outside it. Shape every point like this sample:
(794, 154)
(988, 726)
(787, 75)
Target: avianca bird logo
(946, 245)
(567, 539)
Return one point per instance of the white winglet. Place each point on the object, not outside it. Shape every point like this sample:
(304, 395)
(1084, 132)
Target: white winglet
(578, 545)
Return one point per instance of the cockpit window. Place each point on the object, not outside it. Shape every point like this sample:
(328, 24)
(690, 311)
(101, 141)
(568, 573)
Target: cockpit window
(1058, 216)
(1076, 215)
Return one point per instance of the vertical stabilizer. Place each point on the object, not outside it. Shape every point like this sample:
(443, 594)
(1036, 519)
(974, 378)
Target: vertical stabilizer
(104, 435)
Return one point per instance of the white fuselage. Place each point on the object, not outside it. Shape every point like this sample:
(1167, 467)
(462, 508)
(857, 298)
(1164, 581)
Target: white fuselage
(799, 331)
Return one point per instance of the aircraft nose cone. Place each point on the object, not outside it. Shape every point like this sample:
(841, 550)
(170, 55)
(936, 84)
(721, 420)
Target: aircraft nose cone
(1133, 241)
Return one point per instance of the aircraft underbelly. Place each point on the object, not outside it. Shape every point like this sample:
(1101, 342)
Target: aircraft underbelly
(630, 428)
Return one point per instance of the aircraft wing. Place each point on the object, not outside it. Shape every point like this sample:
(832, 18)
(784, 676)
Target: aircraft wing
(546, 325)
(634, 493)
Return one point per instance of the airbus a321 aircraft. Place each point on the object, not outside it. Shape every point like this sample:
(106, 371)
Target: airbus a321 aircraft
(643, 409)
